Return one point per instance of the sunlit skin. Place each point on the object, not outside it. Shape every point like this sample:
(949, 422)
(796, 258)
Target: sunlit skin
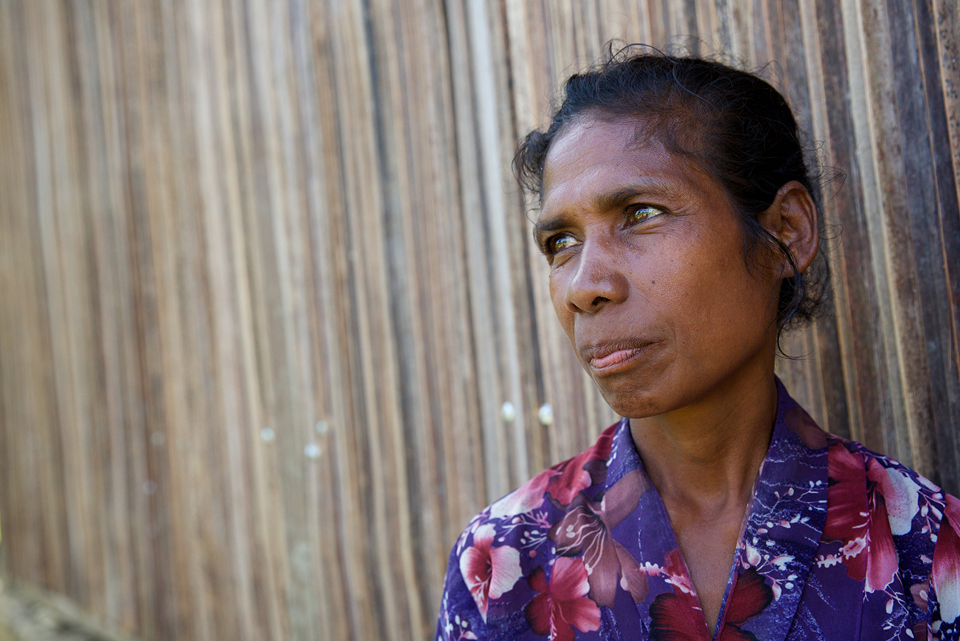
(650, 282)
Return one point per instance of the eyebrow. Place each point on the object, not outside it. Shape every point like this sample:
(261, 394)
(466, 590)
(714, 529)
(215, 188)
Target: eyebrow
(614, 199)
(541, 229)
(605, 202)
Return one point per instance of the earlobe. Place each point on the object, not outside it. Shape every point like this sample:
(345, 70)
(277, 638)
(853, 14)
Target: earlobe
(793, 218)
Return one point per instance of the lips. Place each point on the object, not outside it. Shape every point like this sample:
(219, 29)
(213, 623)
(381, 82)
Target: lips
(607, 356)
(613, 359)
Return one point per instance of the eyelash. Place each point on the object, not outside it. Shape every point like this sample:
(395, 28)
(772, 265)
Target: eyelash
(549, 245)
(549, 248)
(634, 209)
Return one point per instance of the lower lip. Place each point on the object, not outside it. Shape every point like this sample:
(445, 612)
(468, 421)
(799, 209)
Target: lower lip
(617, 361)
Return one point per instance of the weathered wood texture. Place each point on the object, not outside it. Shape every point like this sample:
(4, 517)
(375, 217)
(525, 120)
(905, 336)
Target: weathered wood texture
(266, 282)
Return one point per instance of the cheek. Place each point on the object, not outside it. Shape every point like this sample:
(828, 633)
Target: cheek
(712, 293)
(558, 289)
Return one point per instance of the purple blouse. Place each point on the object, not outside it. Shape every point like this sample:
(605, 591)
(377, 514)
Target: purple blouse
(840, 543)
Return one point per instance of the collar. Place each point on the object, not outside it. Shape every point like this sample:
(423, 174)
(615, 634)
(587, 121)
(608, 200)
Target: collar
(780, 535)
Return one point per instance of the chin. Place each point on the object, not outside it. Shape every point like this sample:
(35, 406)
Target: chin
(633, 403)
(653, 394)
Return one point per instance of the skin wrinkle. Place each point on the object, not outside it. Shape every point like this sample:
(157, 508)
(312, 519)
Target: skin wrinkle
(695, 326)
(674, 302)
(734, 125)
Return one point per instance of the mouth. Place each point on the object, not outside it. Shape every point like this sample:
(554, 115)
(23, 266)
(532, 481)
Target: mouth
(610, 358)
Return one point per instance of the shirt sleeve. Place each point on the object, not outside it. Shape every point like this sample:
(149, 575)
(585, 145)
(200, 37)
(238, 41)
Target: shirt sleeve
(944, 597)
(459, 618)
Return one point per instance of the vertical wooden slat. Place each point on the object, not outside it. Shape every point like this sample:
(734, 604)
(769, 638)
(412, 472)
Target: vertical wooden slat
(267, 282)
(943, 19)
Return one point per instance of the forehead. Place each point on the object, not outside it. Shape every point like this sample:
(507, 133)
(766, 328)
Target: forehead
(594, 157)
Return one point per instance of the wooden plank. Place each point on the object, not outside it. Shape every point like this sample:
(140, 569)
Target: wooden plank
(239, 214)
(935, 258)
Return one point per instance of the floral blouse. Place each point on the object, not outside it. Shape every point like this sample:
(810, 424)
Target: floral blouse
(840, 543)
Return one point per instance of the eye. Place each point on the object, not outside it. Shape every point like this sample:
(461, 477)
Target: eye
(556, 244)
(640, 213)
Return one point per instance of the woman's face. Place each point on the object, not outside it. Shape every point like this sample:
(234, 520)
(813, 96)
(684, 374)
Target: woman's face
(647, 272)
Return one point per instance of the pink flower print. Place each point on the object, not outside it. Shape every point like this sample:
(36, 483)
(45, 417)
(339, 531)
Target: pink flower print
(526, 498)
(676, 616)
(881, 561)
(676, 571)
(562, 604)
(846, 499)
(577, 474)
(586, 530)
(562, 482)
(946, 563)
(857, 516)
(751, 596)
(901, 495)
(570, 479)
(489, 572)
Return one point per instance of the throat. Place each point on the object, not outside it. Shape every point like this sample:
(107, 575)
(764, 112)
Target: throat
(708, 544)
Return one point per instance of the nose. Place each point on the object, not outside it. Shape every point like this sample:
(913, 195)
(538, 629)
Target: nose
(598, 280)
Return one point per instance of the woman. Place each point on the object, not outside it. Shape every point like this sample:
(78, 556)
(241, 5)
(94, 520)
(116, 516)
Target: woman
(680, 224)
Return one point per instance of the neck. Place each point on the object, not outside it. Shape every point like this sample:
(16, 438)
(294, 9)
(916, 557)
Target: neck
(706, 456)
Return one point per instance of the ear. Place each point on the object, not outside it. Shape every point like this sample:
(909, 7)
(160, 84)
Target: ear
(793, 219)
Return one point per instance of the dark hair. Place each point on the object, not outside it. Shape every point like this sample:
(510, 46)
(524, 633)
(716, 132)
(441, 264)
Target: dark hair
(737, 127)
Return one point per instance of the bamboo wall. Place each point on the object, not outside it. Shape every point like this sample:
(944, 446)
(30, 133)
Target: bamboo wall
(266, 283)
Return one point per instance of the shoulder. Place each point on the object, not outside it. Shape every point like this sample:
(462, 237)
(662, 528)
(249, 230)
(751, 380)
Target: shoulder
(920, 520)
(522, 517)
(912, 503)
(497, 564)
(945, 577)
(558, 485)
